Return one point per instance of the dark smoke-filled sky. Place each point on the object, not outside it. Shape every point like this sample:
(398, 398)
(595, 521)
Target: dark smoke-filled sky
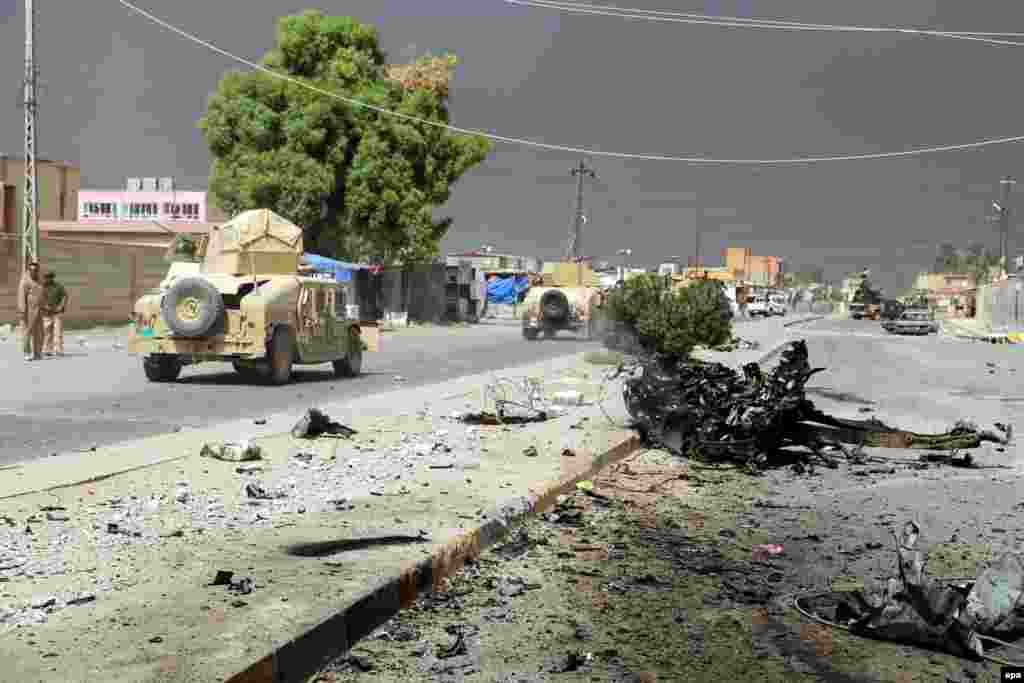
(121, 97)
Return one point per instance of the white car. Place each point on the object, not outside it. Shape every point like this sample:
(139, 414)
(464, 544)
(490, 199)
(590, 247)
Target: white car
(765, 305)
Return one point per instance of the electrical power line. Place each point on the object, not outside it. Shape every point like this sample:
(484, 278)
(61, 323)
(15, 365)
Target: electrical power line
(740, 22)
(566, 148)
(754, 20)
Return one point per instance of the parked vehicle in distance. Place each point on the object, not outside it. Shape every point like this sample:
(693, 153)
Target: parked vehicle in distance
(758, 305)
(777, 304)
(912, 321)
(892, 309)
(868, 311)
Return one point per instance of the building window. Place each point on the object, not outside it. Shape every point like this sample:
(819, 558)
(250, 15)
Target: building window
(190, 211)
(143, 210)
(98, 210)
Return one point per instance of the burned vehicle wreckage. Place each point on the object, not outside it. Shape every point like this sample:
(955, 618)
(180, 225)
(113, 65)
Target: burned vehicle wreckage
(712, 412)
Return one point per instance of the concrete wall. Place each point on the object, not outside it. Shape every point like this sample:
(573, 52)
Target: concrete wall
(418, 291)
(983, 305)
(58, 181)
(103, 281)
(1007, 307)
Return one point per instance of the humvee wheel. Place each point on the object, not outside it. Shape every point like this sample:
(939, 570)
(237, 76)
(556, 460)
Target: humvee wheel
(549, 333)
(192, 306)
(280, 356)
(352, 363)
(530, 334)
(161, 368)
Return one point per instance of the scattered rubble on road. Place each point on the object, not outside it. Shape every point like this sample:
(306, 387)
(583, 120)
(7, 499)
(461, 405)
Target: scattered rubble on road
(957, 616)
(710, 411)
(232, 451)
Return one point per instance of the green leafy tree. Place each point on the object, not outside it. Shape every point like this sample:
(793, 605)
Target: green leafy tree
(865, 294)
(361, 184)
(949, 260)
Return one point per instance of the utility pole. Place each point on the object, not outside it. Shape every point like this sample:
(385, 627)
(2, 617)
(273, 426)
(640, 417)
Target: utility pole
(30, 212)
(696, 256)
(1004, 224)
(580, 171)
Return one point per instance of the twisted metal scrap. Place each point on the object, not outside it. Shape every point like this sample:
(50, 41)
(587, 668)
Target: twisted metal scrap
(713, 412)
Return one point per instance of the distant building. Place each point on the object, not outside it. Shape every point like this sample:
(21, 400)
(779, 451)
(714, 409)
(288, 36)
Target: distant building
(495, 263)
(950, 293)
(143, 199)
(57, 191)
(761, 271)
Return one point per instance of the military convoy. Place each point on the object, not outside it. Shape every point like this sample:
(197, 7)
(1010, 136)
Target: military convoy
(567, 299)
(247, 299)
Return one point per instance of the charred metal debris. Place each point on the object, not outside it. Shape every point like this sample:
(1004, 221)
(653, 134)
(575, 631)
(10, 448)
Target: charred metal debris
(710, 411)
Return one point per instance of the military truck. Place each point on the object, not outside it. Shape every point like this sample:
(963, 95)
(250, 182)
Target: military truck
(569, 298)
(247, 299)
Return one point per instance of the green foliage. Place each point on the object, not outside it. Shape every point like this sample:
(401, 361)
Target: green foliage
(865, 294)
(362, 184)
(808, 275)
(636, 296)
(182, 248)
(672, 322)
(975, 259)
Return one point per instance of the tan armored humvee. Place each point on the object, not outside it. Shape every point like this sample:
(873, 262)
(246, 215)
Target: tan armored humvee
(248, 300)
(569, 298)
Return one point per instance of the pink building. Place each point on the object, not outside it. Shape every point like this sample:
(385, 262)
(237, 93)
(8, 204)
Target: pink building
(145, 199)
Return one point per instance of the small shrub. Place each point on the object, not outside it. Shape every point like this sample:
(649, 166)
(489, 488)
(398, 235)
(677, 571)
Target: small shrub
(672, 323)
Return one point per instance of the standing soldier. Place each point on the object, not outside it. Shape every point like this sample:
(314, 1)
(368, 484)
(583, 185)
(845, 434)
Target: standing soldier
(31, 299)
(53, 323)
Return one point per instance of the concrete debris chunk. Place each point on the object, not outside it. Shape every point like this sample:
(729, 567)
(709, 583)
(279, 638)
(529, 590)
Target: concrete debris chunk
(567, 398)
(255, 490)
(304, 456)
(81, 598)
(241, 584)
(43, 601)
(183, 492)
(316, 423)
(232, 451)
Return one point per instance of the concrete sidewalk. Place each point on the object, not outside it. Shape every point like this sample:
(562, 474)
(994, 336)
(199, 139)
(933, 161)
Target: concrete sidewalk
(112, 583)
(969, 328)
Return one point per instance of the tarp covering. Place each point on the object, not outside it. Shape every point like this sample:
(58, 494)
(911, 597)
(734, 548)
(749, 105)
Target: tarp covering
(342, 271)
(507, 290)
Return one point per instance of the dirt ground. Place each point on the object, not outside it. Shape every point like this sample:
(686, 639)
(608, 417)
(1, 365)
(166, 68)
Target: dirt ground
(653, 579)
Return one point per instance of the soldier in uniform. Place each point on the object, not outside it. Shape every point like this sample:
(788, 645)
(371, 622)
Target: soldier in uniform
(31, 300)
(53, 323)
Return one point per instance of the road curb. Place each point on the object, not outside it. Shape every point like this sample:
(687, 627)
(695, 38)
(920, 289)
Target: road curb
(301, 657)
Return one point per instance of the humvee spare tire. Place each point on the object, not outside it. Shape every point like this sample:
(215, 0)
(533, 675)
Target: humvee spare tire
(554, 305)
(192, 306)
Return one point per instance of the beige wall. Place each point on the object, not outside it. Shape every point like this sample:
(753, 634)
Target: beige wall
(59, 183)
(103, 282)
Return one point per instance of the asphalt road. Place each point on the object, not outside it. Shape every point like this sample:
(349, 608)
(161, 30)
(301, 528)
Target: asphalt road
(98, 395)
